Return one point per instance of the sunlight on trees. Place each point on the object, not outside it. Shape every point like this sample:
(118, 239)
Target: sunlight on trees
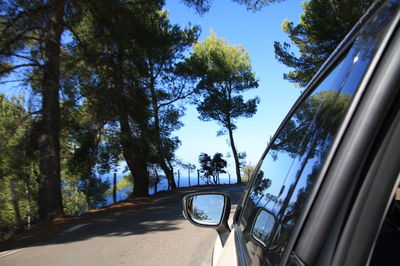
(247, 171)
(223, 72)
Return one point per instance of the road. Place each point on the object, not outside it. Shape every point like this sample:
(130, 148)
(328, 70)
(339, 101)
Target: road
(155, 234)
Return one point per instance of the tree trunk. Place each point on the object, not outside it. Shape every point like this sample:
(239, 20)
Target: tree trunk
(50, 199)
(87, 196)
(235, 155)
(76, 197)
(136, 164)
(140, 178)
(169, 173)
(156, 181)
(115, 188)
(179, 177)
(134, 153)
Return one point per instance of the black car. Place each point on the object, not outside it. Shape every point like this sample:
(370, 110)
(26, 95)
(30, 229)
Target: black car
(326, 190)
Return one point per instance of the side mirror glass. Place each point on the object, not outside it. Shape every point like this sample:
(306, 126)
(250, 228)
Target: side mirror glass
(207, 209)
(263, 226)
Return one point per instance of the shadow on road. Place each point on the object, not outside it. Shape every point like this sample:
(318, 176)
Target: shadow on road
(161, 214)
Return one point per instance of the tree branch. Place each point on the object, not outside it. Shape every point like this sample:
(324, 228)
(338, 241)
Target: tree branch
(9, 69)
(180, 96)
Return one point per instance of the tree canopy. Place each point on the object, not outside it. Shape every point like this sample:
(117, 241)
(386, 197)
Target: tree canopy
(202, 6)
(322, 27)
(223, 72)
(105, 94)
(212, 167)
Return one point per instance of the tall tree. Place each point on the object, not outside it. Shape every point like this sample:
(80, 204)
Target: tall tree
(110, 38)
(85, 153)
(212, 167)
(224, 72)
(50, 200)
(321, 28)
(165, 88)
(30, 34)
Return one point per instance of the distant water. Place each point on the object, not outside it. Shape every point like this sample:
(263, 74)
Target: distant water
(183, 181)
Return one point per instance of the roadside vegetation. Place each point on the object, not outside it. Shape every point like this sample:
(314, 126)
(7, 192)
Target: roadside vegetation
(105, 84)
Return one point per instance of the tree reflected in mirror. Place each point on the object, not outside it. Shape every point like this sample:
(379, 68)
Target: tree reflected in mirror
(206, 209)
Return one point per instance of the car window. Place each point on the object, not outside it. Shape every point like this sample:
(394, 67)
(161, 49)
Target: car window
(293, 162)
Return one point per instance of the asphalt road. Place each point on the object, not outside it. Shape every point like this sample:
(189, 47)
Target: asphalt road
(155, 234)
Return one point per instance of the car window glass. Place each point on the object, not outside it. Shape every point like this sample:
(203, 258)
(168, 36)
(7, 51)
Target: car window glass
(276, 188)
(290, 168)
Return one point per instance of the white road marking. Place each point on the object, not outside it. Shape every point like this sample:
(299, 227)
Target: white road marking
(9, 252)
(73, 228)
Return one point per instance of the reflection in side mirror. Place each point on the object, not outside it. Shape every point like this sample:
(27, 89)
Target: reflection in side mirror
(210, 210)
(263, 226)
(206, 209)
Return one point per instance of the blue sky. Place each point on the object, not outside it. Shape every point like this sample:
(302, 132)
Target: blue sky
(257, 33)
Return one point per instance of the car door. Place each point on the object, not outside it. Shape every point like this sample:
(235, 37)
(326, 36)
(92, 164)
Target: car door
(279, 208)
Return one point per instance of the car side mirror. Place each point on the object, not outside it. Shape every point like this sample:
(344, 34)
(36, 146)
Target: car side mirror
(209, 209)
(263, 226)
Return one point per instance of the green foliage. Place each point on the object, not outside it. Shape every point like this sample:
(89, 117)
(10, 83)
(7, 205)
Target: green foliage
(30, 46)
(202, 6)
(165, 89)
(83, 195)
(321, 28)
(7, 215)
(94, 189)
(85, 147)
(110, 39)
(212, 167)
(124, 183)
(121, 91)
(21, 34)
(132, 51)
(248, 171)
(27, 204)
(74, 200)
(223, 73)
(18, 165)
